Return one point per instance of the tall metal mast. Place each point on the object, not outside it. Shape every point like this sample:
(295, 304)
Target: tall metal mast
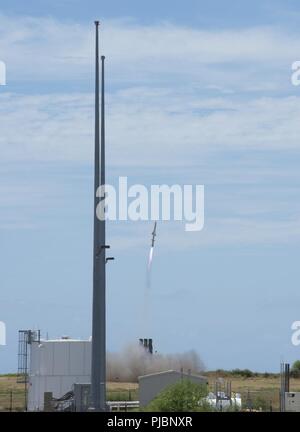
(98, 369)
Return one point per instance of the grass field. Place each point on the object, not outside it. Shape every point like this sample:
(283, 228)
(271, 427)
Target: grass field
(263, 391)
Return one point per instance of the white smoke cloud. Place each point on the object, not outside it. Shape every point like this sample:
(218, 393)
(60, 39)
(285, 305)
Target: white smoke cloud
(134, 361)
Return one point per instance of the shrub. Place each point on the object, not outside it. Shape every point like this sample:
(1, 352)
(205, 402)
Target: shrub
(295, 371)
(260, 403)
(184, 396)
(247, 373)
(222, 372)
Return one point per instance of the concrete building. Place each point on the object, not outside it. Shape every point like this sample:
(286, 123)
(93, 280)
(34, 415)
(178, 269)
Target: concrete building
(55, 365)
(151, 385)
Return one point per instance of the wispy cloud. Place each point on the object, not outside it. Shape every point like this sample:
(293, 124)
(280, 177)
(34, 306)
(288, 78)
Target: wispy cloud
(177, 97)
(145, 128)
(47, 49)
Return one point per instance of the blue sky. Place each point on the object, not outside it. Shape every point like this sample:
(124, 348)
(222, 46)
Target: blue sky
(198, 93)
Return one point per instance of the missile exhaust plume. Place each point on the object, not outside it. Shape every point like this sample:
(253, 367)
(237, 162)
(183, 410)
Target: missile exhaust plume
(150, 258)
(146, 306)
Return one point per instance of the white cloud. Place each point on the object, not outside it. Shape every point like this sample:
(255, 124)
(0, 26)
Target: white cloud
(46, 127)
(174, 122)
(146, 128)
(45, 48)
(171, 119)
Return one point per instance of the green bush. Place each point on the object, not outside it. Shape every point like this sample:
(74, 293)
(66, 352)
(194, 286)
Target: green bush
(247, 373)
(259, 403)
(184, 396)
(222, 372)
(295, 371)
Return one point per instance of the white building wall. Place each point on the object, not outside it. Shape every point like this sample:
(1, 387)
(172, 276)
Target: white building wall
(54, 367)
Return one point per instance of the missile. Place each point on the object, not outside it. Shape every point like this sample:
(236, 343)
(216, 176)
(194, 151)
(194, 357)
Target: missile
(153, 234)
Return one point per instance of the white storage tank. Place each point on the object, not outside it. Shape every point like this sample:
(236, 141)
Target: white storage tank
(55, 365)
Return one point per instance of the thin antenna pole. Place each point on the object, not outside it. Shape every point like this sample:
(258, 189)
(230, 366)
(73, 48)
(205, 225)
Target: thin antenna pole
(102, 125)
(98, 369)
(102, 257)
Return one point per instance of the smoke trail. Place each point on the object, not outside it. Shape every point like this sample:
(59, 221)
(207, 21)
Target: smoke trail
(146, 306)
(149, 268)
(145, 327)
(134, 361)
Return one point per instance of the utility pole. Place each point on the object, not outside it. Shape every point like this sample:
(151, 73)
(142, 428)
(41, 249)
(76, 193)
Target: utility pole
(98, 367)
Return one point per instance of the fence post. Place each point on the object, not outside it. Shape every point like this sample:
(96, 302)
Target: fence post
(11, 401)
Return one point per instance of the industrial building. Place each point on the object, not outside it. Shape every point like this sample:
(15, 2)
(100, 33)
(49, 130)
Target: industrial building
(152, 384)
(55, 366)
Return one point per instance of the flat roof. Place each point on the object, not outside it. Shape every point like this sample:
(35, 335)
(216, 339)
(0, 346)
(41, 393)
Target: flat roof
(186, 375)
(62, 340)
